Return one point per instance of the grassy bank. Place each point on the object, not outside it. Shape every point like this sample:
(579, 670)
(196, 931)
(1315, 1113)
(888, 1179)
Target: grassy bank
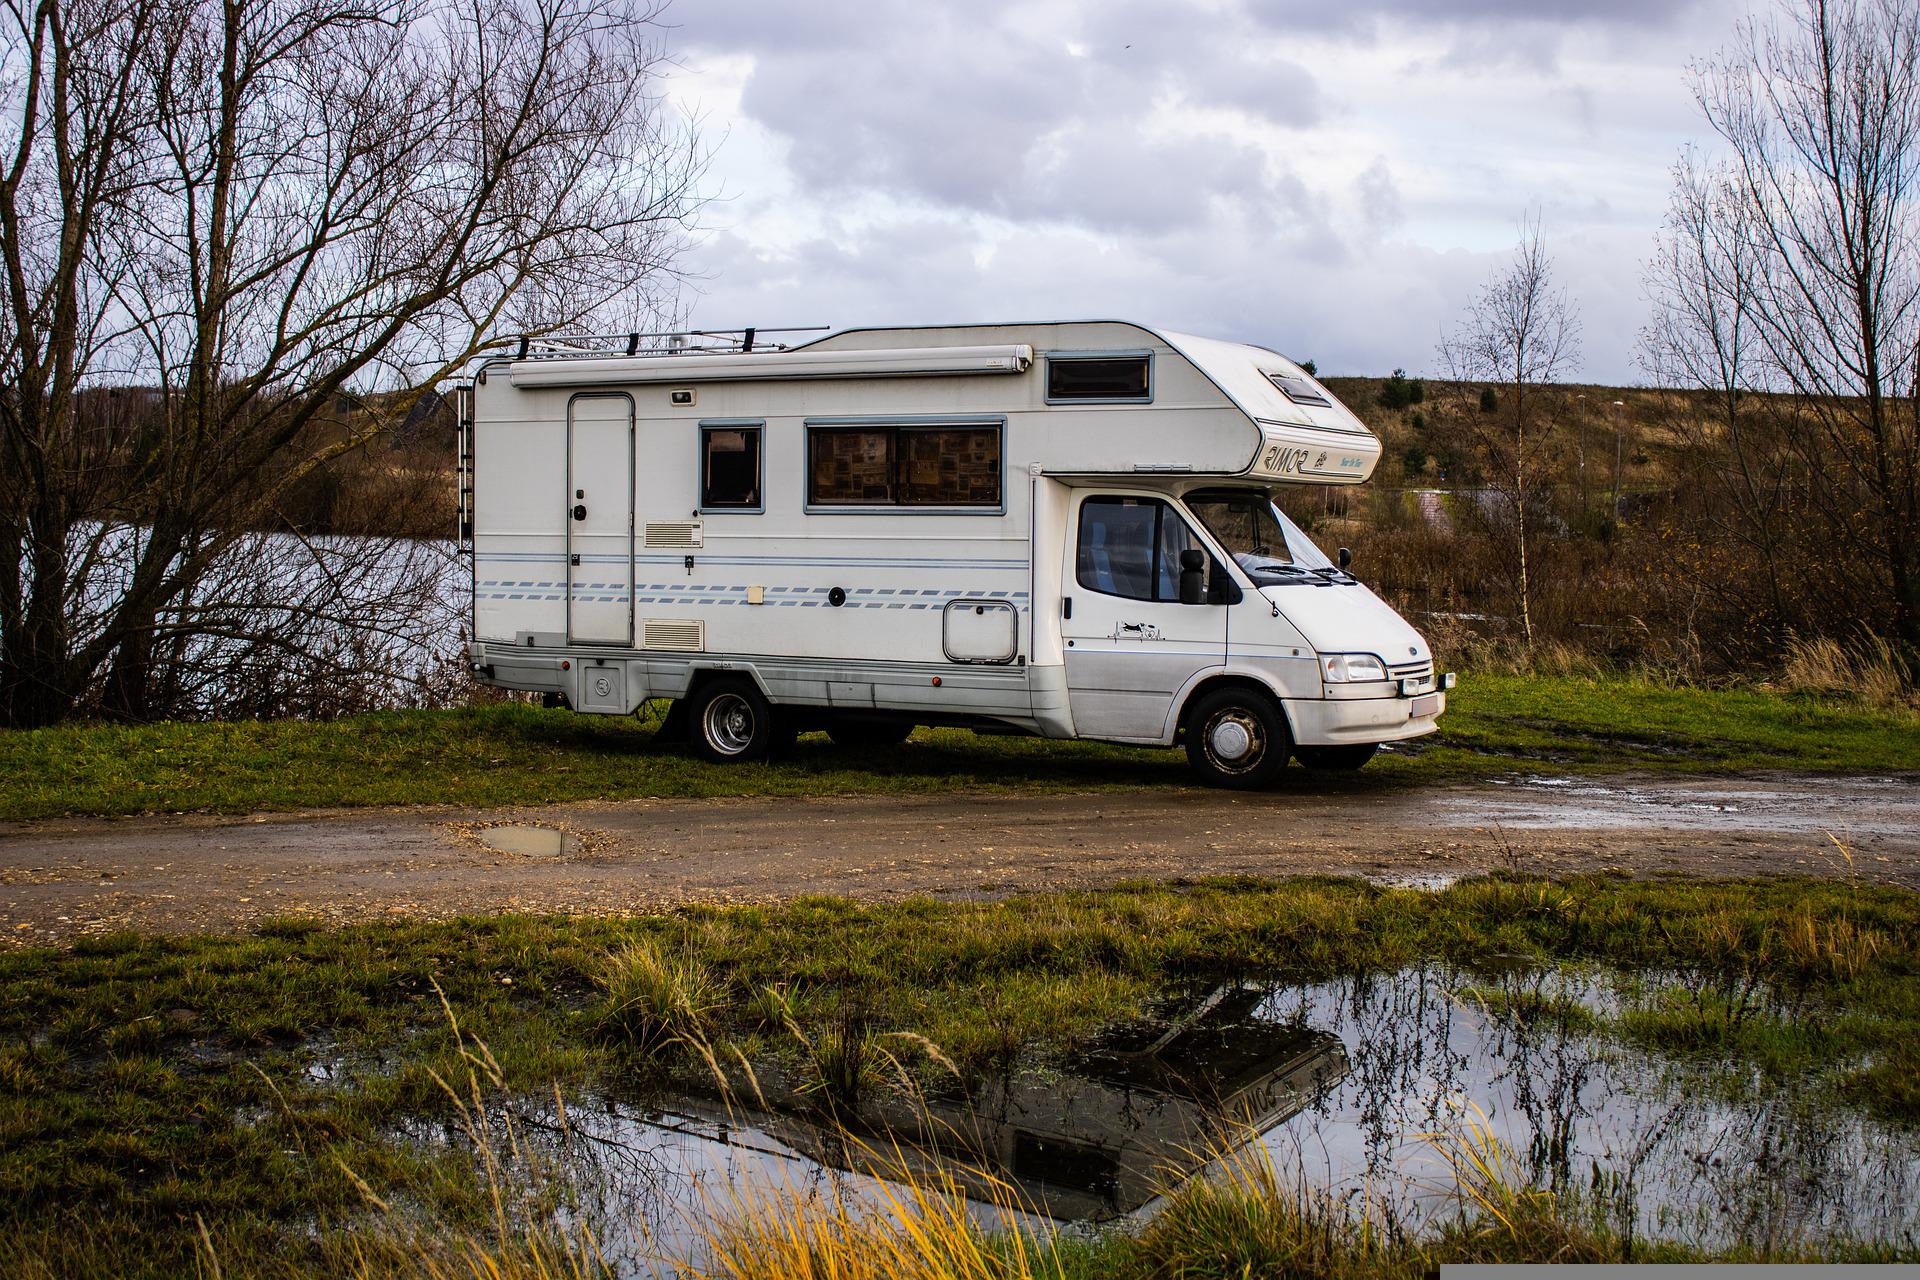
(521, 755)
(149, 1085)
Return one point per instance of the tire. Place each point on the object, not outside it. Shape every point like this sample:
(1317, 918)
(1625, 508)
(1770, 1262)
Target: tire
(1237, 717)
(731, 722)
(1346, 757)
(868, 733)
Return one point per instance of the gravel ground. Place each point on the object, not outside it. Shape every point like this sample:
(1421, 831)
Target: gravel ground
(198, 873)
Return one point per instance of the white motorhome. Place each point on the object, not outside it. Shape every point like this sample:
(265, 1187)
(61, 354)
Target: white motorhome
(1058, 529)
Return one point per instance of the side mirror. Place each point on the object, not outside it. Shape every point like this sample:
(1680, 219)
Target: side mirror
(1346, 558)
(1193, 577)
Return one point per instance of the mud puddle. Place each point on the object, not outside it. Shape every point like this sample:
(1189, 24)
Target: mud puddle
(1339, 1085)
(1810, 806)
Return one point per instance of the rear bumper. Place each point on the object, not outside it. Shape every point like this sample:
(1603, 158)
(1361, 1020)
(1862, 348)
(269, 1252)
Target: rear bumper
(1326, 723)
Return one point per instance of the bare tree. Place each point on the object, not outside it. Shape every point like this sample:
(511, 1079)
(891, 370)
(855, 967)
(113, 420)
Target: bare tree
(1702, 283)
(252, 215)
(1819, 108)
(1521, 334)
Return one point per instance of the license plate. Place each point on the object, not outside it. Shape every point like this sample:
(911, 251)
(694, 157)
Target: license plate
(1425, 705)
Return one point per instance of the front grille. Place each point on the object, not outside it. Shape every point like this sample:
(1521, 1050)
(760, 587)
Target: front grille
(1421, 671)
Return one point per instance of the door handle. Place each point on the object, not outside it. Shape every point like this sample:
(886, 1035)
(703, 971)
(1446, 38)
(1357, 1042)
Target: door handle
(580, 511)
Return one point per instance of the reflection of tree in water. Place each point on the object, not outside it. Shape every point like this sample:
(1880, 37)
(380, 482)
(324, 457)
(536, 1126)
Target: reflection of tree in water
(1681, 1149)
(1674, 1149)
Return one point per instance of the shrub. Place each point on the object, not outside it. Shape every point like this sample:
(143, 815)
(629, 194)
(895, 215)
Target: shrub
(1489, 400)
(1399, 391)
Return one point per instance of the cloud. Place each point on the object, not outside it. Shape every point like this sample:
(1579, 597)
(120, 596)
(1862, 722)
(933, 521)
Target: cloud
(1333, 181)
(969, 107)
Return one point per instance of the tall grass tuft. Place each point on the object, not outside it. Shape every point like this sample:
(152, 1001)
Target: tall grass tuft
(1870, 669)
(1505, 1217)
(917, 1226)
(1241, 1219)
(654, 998)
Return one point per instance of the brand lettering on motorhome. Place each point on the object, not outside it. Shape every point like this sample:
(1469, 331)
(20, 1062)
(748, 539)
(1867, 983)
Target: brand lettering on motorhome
(1286, 460)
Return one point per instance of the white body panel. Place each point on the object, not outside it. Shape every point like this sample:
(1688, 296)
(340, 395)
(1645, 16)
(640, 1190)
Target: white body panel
(939, 614)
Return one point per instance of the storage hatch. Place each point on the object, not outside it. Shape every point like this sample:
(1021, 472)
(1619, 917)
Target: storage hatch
(980, 630)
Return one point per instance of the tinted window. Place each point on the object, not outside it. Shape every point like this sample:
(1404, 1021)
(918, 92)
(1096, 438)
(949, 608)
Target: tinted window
(729, 468)
(904, 466)
(949, 466)
(1097, 378)
(1131, 547)
(850, 466)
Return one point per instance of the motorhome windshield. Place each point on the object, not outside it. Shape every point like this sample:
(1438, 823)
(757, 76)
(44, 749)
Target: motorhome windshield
(1268, 546)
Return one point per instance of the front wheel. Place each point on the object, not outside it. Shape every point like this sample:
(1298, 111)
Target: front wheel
(1346, 757)
(1236, 738)
(731, 721)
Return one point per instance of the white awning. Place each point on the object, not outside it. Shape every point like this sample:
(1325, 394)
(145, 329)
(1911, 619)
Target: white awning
(801, 364)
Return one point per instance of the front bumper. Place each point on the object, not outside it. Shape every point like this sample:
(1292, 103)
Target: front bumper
(1326, 722)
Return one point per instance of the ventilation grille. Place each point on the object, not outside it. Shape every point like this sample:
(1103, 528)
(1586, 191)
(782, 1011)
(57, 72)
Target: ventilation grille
(673, 533)
(676, 634)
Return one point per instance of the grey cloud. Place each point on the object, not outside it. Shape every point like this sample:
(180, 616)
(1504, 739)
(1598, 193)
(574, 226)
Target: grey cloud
(971, 107)
(1378, 196)
(1274, 89)
(1318, 17)
(1363, 314)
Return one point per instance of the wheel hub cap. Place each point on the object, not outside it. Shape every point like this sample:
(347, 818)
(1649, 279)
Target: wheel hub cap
(1230, 740)
(729, 724)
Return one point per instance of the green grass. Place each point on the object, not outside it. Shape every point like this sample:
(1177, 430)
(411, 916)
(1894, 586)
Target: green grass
(151, 1083)
(516, 754)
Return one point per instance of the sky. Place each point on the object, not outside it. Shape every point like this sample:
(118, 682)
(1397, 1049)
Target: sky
(1333, 179)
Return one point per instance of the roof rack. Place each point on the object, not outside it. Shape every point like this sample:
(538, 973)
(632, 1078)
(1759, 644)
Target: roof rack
(684, 342)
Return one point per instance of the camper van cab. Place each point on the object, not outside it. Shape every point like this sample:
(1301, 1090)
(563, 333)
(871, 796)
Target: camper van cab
(1057, 529)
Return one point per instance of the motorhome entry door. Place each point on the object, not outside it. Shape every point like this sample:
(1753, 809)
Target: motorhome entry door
(599, 519)
(1131, 645)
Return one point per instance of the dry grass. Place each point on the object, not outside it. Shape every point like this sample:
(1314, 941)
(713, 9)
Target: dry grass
(914, 1226)
(1870, 669)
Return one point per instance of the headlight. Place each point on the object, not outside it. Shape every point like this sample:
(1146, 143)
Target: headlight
(1351, 668)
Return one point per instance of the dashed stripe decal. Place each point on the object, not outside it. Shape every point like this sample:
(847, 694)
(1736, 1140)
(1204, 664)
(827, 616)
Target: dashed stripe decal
(786, 597)
(869, 562)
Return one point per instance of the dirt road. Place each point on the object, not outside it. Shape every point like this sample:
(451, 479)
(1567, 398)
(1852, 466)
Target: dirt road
(61, 879)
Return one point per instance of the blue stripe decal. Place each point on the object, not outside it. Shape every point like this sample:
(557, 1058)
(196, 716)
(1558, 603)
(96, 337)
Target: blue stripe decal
(876, 562)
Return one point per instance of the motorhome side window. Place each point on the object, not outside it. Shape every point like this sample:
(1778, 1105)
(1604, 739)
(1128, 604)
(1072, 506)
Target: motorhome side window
(1131, 547)
(730, 468)
(903, 466)
(1098, 378)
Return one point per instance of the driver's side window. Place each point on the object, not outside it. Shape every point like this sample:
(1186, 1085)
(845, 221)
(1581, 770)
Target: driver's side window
(1131, 547)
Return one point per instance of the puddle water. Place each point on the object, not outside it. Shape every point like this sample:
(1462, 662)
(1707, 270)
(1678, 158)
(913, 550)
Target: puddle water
(1426, 881)
(1858, 806)
(1337, 1080)
(530, 841)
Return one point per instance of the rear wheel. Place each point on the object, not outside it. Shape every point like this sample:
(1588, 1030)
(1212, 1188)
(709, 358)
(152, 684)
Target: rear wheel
(731, 721)
(868, 733)
(1236, 738)
(1348, 756)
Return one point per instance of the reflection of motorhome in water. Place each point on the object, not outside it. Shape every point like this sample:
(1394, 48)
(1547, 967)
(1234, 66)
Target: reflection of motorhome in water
(1058, 529)
(1093, 1137)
